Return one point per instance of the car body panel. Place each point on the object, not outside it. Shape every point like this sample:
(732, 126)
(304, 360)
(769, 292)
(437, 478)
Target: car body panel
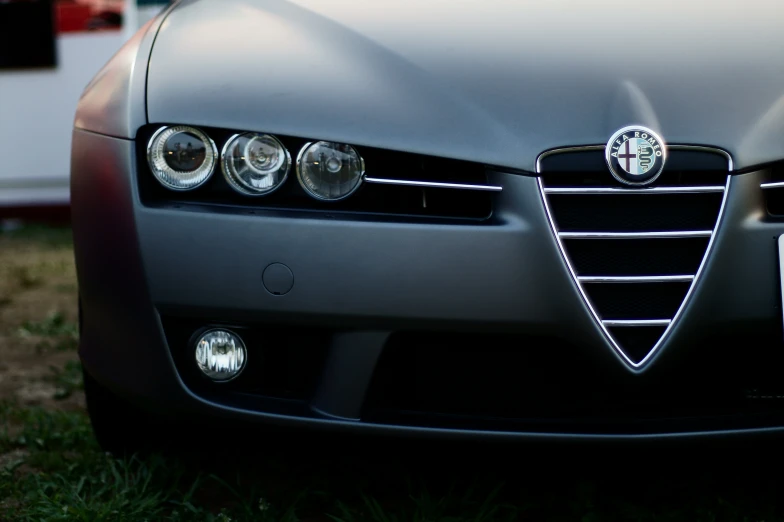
(496, 82)
(134, 262)
(114, 102)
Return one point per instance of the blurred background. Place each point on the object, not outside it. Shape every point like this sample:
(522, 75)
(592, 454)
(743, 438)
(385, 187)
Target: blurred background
(49, 51)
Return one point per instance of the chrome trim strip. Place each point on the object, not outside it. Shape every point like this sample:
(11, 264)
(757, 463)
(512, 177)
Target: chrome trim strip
(637, 322)
(433, 184)
(772, 185)
(618, 190)
(670, 146)
(636, 235)
(613, 344)
(637, 279)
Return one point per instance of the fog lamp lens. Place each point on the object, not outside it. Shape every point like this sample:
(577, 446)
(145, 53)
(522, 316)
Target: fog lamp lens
(329, 171)
(220, 355)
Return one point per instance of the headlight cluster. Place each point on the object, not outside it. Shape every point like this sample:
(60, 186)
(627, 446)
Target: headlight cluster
(253, 164)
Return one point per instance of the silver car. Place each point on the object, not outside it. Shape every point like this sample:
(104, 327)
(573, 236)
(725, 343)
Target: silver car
(477, 219)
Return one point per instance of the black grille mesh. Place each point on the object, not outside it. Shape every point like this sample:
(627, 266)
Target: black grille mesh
(614, 213)
(636, 300)
(635, 257)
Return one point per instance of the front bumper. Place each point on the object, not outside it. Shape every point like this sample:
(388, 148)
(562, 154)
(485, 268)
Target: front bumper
(500, 291)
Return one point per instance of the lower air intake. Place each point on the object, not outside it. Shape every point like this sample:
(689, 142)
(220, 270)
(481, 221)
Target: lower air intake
(635, 253)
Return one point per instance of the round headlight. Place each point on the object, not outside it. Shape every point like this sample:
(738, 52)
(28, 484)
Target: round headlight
(329, 171)
(220, 354)
(182, 158)
(255, 164)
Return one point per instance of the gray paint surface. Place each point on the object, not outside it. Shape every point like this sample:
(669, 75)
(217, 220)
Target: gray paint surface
(497, 82)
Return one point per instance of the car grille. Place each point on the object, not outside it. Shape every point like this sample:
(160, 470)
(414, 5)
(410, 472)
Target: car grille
(635, 252)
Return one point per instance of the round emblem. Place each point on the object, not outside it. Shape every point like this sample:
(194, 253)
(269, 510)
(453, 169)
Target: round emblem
(636, 155)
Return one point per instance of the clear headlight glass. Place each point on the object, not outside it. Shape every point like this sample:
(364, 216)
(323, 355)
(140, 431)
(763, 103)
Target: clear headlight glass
(181, 157)
(255, 164)
(329, 171)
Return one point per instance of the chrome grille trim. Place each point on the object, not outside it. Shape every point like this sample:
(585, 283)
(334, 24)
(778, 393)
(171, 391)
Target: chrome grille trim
(772, 185)
(586, 148)
(701, 148)
(433, 184)
(550, 152)
(637, 279)
(666, 323)
(654, 190)
(636, 322)
(637, 235)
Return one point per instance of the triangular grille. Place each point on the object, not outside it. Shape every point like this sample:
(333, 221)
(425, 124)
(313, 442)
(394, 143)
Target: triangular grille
(635, 253)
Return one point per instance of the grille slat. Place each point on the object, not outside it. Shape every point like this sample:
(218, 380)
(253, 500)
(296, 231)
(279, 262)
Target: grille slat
(635, 259)
(613, 213)
(636, 301)
(637, 235)
(644, 191)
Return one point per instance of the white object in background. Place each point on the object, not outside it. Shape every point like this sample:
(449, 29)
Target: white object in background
(37, 112)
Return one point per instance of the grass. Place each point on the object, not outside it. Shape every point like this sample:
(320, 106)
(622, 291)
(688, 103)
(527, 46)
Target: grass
(55, 471)
(52, 469)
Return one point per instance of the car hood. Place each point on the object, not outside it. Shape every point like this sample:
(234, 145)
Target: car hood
(491, 81)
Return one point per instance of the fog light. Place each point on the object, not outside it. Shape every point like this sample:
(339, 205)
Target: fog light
(220, 355)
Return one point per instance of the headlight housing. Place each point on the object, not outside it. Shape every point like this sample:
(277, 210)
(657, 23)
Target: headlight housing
(181, 157)
(329, 171)
(255, 164)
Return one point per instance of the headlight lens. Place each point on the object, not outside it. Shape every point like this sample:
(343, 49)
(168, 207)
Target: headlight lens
(181, 157)
(255, 164)
(329, 171)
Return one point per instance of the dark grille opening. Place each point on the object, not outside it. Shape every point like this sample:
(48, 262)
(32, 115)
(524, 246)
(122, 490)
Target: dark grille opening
(636, 300)
(284, 363)
(478, 375)
(774, 197)
(637, 341)
(540, 384)
(634, 213)
(668, 178)
(370, 199)
(630, 257)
